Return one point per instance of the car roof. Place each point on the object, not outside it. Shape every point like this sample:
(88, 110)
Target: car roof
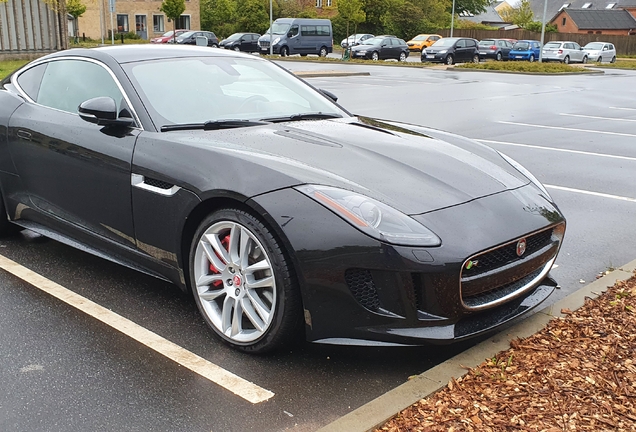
(131, 53)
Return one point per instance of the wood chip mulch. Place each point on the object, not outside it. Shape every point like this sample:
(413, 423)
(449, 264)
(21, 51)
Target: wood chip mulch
(577, 374)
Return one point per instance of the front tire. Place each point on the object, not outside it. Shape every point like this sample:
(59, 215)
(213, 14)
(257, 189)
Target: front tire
(613, 60)
(6, 227)
(531, 59)
(450, 60)
(599, 59)
(584, 61)
(237, 49)
(375, 56)
(284, 51)
(242, 283)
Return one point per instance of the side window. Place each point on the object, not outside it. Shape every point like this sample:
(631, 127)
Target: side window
(68, 83)
(461, 44)
(471, 43)
(29, 80)
(293, 31)
(611, 47)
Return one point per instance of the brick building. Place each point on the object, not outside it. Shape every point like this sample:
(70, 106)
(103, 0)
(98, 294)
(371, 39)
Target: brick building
(595, 21)
(138, 16)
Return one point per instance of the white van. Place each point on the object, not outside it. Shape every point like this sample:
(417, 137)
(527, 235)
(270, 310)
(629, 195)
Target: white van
(298, 36)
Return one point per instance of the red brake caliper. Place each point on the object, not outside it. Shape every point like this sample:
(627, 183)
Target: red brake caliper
(225, 241)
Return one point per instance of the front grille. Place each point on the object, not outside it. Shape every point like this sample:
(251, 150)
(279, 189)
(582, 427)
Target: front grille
(263, 44)
(361, 285)
(506, 254)
(498, 275)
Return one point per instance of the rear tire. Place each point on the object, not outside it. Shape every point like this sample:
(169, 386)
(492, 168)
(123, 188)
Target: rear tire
(566, 60)
(7, 228)
(402, 57)
(242, 282)
(499, 57)
(323, 52)
(476, 58)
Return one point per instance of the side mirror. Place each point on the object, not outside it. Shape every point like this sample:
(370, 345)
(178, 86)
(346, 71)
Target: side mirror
(330, 95)
(102, 111)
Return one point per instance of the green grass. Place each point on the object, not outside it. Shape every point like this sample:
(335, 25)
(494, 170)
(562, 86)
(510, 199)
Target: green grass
(524, 67)
(6, 67)
(618, 65)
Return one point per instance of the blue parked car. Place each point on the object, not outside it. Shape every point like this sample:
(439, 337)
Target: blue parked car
(525, 50)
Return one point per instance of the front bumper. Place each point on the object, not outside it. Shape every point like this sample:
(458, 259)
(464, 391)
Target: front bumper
(433, 58)
(358, 54)
(357, 290)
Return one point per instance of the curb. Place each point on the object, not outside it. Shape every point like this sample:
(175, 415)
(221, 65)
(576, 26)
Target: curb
(316, 74)
(583, 72)
(375, 413)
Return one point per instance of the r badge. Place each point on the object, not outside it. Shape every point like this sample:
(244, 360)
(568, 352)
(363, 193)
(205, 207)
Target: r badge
(521, 247)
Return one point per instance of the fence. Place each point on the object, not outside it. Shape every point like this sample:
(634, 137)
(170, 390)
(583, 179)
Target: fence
(30, 28)
(625, 45)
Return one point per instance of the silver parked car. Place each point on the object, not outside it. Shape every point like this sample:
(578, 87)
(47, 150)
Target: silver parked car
(600, 52)
(564, 52)
(355, 39)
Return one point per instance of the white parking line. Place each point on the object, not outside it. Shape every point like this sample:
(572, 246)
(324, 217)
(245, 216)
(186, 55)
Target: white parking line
(598, 194)
(558, 149)
(565, 128)
(621, 108)
(597, 117)
(237, 385)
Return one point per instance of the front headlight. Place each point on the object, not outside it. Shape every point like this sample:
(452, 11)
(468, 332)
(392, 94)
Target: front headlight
(442, 51)
(372, 217)
(526, 173)
(276, 41)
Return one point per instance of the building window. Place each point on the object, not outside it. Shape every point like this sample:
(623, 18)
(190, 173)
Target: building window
(329, 3)
(565, 5)
(122, 23)
(157, 23)
(140, 23)
(563, 21)
(183, 22)
(610, 5)
(586, 5)
(318, 3)
(599, 32)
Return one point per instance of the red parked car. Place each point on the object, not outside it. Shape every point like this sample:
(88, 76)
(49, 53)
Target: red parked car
(164, 38)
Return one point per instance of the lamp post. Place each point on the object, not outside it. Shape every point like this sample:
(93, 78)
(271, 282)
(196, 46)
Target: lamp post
(545, 8)
(271, 45)
(452, 19)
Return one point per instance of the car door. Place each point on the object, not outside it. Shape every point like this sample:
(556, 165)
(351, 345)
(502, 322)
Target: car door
(253, 43)
(576, 48)
(294, 40)
(73, 170)
(460, 51)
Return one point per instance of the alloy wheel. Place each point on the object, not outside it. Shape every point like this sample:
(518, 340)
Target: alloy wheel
(375, 56)
(234, 281)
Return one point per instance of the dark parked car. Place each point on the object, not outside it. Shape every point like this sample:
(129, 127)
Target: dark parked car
(381, 48)
(279, 210)
(525, 50)
(497, 49)
(452, 50)
(164, 38)
(247, 42)
(190, 38)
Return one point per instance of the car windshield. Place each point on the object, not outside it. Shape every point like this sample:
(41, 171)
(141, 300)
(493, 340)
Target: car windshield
(234, 37)
(486, 42)
(420, 38)
(444, 43)
(167, 34)
(594, 46)
(211, 89)
(521, 46)
(185, 35)
(279, 29)
(552, 45)
(372, 41)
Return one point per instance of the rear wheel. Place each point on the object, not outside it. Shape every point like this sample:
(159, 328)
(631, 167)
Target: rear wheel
(476, 58)
(566, 60)
(499, 57)
(323, 52)
(402, 57)
(449, 59)
(6, 227)
(215, 46)
(242, 282)
(375, 56)
(284, 51)
(531, 59)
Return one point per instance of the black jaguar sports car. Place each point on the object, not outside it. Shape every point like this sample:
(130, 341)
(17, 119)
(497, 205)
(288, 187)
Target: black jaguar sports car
(281, 212)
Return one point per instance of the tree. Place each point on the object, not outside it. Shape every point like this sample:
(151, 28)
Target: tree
(254, 16)
(351, 11)
(76, 9)
(403, 19)
(173, 10)
(473, 6)
(219, 16)
(520, 15)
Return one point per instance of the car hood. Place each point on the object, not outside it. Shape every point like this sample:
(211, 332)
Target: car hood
(413, 169)
(363, 47)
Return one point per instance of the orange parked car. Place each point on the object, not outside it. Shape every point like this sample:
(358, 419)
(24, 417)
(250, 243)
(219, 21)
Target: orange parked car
(419, 42)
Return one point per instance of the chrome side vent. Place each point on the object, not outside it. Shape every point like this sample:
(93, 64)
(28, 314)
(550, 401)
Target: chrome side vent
(153, 185)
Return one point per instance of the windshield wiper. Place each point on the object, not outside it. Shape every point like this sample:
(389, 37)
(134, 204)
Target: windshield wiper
(299, 117)
(213, 125)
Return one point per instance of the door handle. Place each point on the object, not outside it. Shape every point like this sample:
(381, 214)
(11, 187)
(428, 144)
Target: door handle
(24, 134)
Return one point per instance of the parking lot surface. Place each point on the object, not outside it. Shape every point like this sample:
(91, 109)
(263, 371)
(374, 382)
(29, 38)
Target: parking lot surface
(64, 370)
